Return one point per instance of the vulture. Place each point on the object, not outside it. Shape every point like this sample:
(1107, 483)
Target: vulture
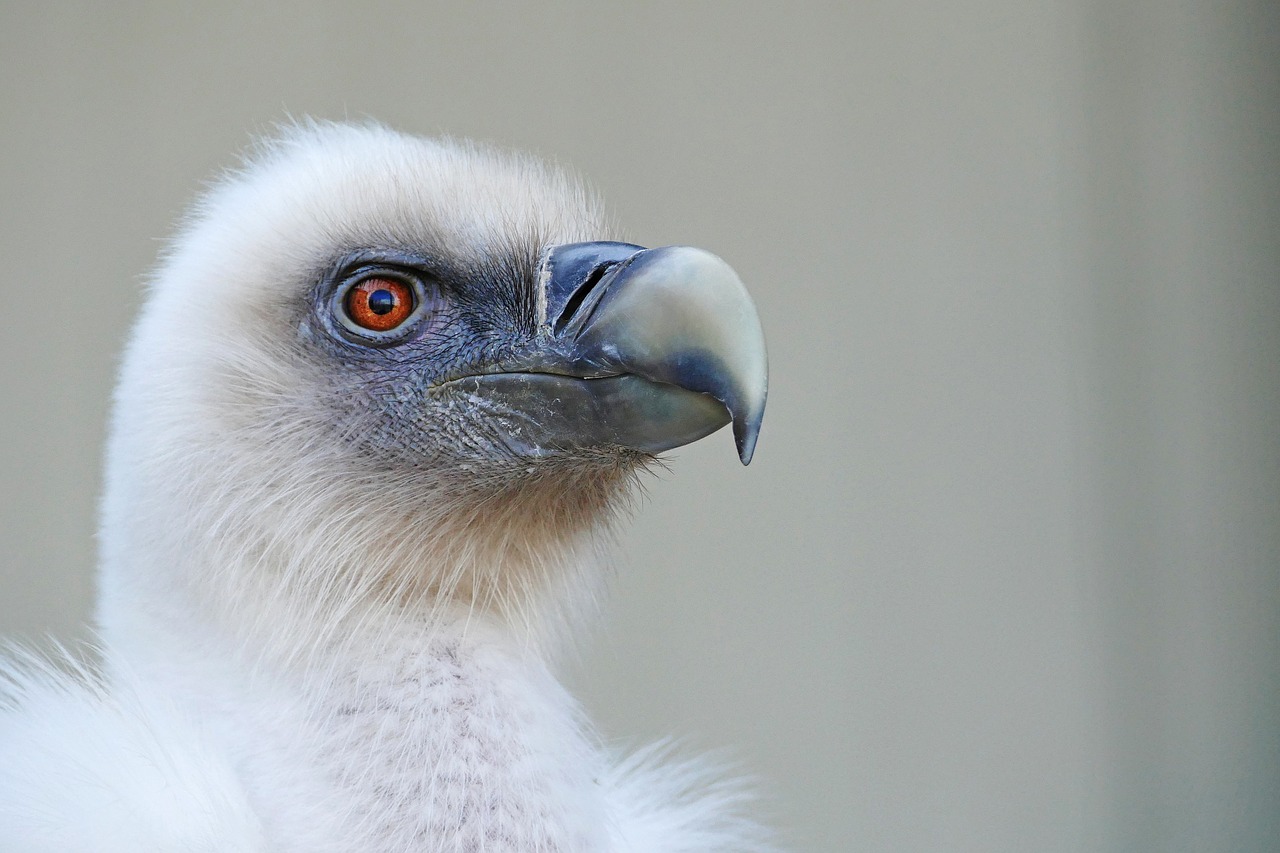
(385, 401)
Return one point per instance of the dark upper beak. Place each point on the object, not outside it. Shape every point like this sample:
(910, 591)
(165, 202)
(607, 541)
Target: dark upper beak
(642, 348)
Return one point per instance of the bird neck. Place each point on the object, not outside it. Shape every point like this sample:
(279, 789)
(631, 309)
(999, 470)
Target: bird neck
(308, 609)
(399, 731)
(290, 582)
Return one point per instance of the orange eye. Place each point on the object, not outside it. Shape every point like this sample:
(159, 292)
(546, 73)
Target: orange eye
(379, 304)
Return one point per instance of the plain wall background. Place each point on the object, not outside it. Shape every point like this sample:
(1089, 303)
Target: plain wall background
(1005, 574)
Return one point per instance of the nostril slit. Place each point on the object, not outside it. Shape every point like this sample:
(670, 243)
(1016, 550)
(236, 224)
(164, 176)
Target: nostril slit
(580, 295)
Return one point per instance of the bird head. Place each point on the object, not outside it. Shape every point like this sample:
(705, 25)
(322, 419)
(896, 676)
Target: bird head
(374, 362)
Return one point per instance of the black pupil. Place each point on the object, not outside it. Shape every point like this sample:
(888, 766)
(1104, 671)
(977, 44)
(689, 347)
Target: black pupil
(382, 301)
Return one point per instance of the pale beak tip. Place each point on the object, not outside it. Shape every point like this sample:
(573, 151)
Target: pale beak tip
(746, 441)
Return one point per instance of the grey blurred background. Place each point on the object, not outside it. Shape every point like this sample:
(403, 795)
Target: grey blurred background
(1005, 574)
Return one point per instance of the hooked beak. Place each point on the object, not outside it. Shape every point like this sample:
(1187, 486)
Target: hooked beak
(642, 348)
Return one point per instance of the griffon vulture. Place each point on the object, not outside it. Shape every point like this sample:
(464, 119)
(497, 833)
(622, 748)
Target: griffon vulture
(384, 401)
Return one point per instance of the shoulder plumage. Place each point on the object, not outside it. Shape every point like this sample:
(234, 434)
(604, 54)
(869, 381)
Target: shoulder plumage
(87, 767)
(663, 801)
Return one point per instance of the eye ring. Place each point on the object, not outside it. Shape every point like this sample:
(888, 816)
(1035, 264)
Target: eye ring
(380, 305)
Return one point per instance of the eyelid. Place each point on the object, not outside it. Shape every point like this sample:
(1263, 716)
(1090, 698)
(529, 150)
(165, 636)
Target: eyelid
(409, 263)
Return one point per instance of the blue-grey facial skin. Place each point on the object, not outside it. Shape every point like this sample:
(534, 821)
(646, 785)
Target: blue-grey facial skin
(621, 363)
(392, 391)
